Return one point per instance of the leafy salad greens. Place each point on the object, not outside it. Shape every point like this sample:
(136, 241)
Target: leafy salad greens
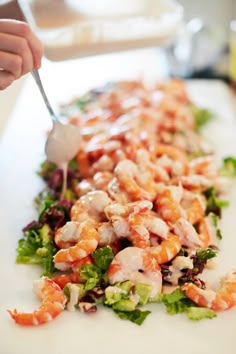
(127, 299)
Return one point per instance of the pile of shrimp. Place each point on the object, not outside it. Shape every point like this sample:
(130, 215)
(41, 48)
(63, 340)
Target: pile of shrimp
(144, 172)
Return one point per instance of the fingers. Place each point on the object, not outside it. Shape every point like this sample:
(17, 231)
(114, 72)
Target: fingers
(6, 79)
(23, 30)
(10, 68)
(16, 50)
(36, 48)
(20, 50)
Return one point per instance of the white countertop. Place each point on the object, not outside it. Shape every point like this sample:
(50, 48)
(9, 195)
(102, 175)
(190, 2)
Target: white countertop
(8, 98)
(21, 153)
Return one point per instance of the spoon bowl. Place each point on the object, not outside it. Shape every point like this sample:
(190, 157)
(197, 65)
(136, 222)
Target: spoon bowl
(64, 140)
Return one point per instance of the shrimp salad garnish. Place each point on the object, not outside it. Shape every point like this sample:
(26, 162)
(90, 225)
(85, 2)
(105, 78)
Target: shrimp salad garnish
(138, 223)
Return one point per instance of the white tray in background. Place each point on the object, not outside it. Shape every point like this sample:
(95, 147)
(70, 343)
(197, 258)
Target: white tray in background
(71, 29)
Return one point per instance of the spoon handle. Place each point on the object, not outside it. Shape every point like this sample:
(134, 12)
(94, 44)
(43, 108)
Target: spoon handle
(38, 81)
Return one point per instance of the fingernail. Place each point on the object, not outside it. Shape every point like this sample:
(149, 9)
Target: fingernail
(38, 65)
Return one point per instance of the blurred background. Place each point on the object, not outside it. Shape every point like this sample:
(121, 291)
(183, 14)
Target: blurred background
(212, 12)
(184, 38)
(210, 23)
(196, 37)
(200, 46)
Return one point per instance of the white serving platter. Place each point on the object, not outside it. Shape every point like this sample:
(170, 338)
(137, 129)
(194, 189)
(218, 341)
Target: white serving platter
(21, 152)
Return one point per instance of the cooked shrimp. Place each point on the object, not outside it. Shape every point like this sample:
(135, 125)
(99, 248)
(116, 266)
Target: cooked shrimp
(118, 215)
(121, 226)
(159, 173)
(84, 186)
(75, 266)
(142, 225)
(108, 161)
(194, 206)
(136, 180)
(84, 164)
(88, 238)
(117, 193)
(220, 300)
(67, 235)
(175, 87)
(53, 303)
(138, 186)
(168, 205)
(102, 145)
(207, 230)
(176, 155)
(139, 266)
(167, 250)
(94, 146)
(90, 207)
(103, 164)
(188, 235)
(205, 166)
(195, 212)
(124, 210)
(63, 279)
(194, 182)
(133, 141)
(101, 180)
(107, 234)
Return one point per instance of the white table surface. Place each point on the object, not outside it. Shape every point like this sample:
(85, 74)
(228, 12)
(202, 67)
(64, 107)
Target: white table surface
(21, 152)
(8, 98)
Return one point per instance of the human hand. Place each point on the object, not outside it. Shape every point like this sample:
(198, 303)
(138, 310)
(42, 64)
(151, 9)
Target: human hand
(20, 51)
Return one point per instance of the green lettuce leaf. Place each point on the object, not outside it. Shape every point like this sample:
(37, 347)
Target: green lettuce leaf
(199, 313)
(229, 166)
(46, 169)
(176, 302)
(36, 247)
(103, 257)
(91, 274)
(206, 253)
(214, 204)
(137, 316)
(202, 116)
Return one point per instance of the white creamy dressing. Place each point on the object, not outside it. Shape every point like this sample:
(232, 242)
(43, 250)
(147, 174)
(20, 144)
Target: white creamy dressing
(63, 143)
(115, 290)
(208, 295)
(179, 263)
(74, 296)
(131, 261)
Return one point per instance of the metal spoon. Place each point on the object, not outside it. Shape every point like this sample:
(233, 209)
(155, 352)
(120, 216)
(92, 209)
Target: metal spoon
(38, 81)
(63, 141)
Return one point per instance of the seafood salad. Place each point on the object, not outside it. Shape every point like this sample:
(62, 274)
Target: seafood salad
(139, 220)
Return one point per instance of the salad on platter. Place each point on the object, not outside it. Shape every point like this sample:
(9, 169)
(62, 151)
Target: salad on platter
(138, 222)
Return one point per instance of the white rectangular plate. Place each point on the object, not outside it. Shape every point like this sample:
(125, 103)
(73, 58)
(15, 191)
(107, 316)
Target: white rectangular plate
(21, 151)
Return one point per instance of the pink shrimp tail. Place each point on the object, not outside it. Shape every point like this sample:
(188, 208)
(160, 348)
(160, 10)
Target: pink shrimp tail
(53, 303)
